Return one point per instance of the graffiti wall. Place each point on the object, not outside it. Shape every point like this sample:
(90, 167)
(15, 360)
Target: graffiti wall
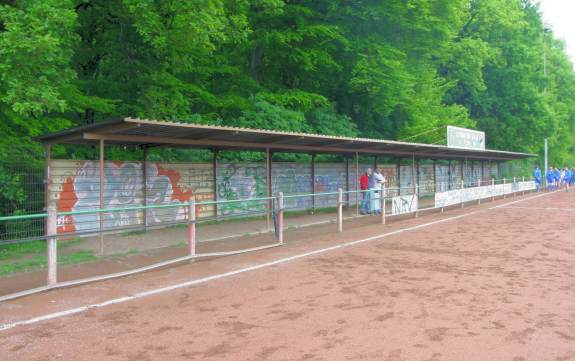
(75, 186)
(426, 180)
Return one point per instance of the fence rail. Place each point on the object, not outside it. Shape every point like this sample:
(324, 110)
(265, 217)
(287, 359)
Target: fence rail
(384, 202)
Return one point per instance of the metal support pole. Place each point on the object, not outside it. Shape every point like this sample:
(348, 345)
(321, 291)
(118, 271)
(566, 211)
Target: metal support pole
(546, 165)
(449, 176)
(145, 187)
(398, 176)
(357, 193)
(383, 195)
(215, 155)
(434, 176)
(347, 180)
(281, 217)
(101, 191)
(340, 210)
(47, 174)
(51, 246)
(417, 198)
(462, 190)
(513, 186)
(413, 172)
(47, 180)
(462, 171)
(417, 174)
(269, 186)
(192, 228)
(313, 183)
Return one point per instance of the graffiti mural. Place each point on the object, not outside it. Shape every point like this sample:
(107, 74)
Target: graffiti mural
(425, 178)
(291, 178)
(407, 179)
(241, 181)
(75, 187)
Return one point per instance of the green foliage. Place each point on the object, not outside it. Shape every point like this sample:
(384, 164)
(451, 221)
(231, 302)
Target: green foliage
(388, 69)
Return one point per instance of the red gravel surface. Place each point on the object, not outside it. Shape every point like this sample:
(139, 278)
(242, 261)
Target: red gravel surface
(497, 284)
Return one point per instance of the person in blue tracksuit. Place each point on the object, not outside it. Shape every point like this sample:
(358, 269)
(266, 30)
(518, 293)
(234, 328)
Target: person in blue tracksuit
(567, 179)
(537, 176)
(557, 178)
(550, 178)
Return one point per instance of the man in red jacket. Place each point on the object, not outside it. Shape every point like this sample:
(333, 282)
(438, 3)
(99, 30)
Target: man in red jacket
(364, 186)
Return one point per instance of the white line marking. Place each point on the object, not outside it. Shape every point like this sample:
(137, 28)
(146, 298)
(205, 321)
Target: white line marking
(72, 311)
(543, 208)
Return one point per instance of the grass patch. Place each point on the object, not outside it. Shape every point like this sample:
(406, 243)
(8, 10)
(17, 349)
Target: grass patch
(30, 248)
(39, 262)
(16, 250)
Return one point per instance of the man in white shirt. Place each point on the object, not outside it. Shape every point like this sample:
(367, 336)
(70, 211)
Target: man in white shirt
(377, 179)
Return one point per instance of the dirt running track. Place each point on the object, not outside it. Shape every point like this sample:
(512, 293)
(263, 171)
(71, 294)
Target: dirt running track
(498, 284)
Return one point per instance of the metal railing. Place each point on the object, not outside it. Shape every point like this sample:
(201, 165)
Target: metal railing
(391, 201)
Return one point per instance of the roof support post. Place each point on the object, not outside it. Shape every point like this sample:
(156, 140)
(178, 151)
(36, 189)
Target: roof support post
(51, 228)
(47, 177)
(399, 176)
(269, 185)
(462, 172)
(434, 176)
(145, 187)
(449, 176)
(417, 176)
(215, 156)
(357, 188)
(347, 181)
(313, 183)
(101, 191)
(413, 172)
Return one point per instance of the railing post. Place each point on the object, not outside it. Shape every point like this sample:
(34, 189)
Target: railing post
(340, 210)
(492, 189)
(192, 229)
(504, 183)
(382, 203)
(51, 246)
(514, 185)
(281, 217)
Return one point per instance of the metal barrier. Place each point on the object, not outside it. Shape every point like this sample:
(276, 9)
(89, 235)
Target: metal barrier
(399, 198)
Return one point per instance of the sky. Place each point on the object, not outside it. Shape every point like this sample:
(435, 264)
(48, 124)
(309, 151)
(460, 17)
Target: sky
(560, 16)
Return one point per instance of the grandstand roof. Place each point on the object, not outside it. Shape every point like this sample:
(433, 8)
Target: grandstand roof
(140, 132)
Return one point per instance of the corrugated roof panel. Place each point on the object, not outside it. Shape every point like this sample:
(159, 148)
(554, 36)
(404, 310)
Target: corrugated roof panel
(138, 131)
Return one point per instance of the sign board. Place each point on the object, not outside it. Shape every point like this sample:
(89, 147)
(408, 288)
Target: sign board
(444, 199)
(465, 138)
(404, 204)
(526, 186)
